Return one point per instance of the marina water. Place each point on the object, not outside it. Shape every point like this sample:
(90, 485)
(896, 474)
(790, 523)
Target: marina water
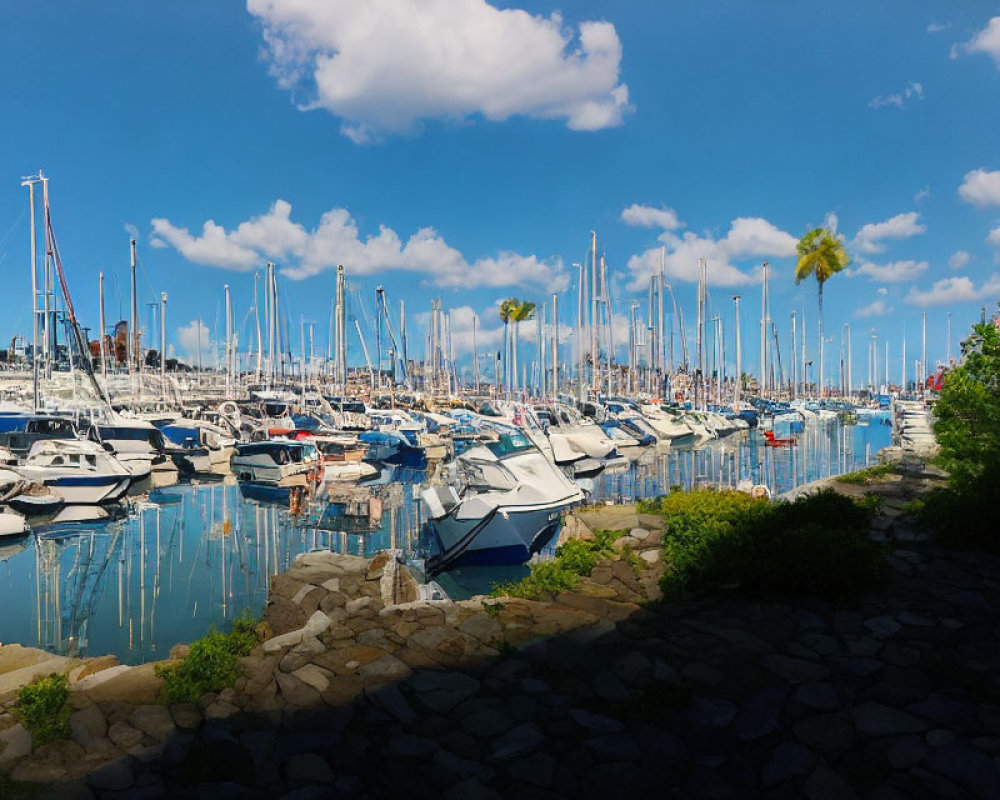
(200, 554)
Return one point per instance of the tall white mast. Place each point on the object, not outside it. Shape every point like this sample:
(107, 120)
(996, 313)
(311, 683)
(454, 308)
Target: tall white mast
(163, 342)
(30, 183)
(256, 317)
(555, 345)
(923, 353)
(475, 351)
(739, 353)
(764, 383)
(903, 376)
(101, 337)
(594, 350)
(134, 354)
(229, 345)
(578, 335)
(46, 279)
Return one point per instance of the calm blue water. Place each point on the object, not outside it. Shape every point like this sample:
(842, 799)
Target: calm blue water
(196, 555)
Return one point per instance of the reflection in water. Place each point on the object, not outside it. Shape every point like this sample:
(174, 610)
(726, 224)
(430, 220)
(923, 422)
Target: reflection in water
(192, 556)
(195, 555)
(821, 451)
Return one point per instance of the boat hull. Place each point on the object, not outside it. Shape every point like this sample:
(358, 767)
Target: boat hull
(503, 537)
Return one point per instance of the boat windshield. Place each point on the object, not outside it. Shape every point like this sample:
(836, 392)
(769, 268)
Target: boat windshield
(509, 443)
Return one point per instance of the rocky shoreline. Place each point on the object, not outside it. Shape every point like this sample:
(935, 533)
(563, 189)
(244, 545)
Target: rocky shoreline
(360, 690)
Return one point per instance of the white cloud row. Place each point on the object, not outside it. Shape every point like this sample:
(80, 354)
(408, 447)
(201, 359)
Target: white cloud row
(748, 237)
(981, 188)
(902, 226)
(958, 289)
(893, 272)
(336, 240)
(382, 65)
(985, 42)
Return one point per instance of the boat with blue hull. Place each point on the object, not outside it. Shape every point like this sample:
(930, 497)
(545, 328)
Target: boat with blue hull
(498, 504)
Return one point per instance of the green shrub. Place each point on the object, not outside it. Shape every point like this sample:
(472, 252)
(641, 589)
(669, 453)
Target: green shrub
(211, 665)
(574, 559)
(43, 708)
(867, 475)
(548, 577)
(818, 545)
(961, 515)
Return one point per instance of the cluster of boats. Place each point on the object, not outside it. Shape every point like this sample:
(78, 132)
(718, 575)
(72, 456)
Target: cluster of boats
(494, 477)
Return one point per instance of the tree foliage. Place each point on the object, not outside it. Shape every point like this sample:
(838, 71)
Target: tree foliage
(821, 254)
(967, 414)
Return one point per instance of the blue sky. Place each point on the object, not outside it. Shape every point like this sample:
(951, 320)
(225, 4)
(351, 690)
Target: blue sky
(464, 150)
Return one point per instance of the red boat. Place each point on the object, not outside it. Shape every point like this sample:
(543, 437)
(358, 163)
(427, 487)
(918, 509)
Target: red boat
(770, 440)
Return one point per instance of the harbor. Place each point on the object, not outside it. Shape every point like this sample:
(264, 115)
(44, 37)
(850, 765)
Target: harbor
(474, 400)
(161, 568)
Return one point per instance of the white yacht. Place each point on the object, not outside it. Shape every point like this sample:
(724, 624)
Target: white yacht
(501, 503)
(80, 472)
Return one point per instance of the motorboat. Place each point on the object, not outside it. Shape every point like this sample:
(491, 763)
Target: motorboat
(79, 471)
(390, 447)
(498, 504)
(18, 432)
(275, 462)
(138, 445)
(197, 446)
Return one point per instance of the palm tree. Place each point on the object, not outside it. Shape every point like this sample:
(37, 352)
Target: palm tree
(507, 309)
(821, 254)
(522, 312)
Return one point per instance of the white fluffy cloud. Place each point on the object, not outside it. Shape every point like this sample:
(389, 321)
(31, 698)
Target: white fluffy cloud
(985, 42)
(902, 226)
(893, 272)
(748, 237)
(959, 259)
(649, 217)
(955, 290)
(993, 237)
(381, 65)
(336, 240)
(187, 343)
(937, 27)
(981, 188)
(912, 91)
(877, 308)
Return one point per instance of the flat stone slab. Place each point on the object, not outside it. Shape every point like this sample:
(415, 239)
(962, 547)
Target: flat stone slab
(21, 665)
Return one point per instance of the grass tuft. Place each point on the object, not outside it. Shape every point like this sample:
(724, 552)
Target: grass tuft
(868, 475)
(211, 665)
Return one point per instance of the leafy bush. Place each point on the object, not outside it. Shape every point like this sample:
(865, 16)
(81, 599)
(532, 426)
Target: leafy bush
(43, 708)
(967, 428)
(210, 665)
(962, 515)
(967, 413)
(867, 475)
(818, 545)
(574, 559)
(548, 577)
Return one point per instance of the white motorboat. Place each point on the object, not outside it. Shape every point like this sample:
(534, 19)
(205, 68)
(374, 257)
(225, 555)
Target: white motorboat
(80, 472)
(502, 502)
(275, 462)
